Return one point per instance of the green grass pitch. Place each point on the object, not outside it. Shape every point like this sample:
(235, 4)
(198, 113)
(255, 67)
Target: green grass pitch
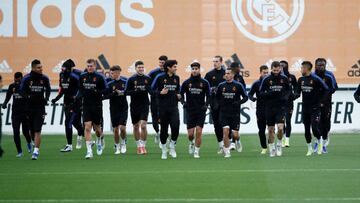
(245, 177)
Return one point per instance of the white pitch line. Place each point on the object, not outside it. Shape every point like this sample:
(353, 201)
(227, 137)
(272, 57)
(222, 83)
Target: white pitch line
(155, 171)
(333, 199)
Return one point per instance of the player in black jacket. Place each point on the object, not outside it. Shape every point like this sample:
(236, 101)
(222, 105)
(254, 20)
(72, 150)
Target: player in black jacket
(290, 103)
(260, 107)
(118, 108)
(91, 90)
(167, 87)
(154, 100)
(230, 95)
(215, 77)
(314, 93)
(195, 93)
(68, 87)
(18, 116)
(138, 87)
(35, 88)
(1, 150)
(275, 89)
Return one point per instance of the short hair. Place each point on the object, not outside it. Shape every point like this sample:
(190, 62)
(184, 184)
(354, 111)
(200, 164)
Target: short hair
(234, 65)
(138, 63)
(219, 57)
(18, 75)
(91, 61)
(35, 62)
(275, 64)
(195, 64)
(115, 68)
(163, 58)
(283, 61)
(263, 67)
(231, 70)
(169, 64)
(307, 64)
(320, 59)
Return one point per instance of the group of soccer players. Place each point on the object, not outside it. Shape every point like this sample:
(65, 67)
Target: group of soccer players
(222, 90)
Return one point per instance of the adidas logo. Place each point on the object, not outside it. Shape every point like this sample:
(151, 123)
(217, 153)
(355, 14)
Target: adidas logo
(5, 68)
(27, 68)
(296, 66)
(235, 58)
(355, 70)
(57, 68)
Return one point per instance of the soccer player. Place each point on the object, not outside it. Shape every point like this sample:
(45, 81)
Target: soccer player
(35, 87)
(215, 77)
(195, 93)
(320, 67)
(314, 93)
(18, 116)
(230, 94)
(260, 107)
(357, 94)
(154, 100)
(91, 90)
(275, 89)
(289, 105)
(167, 86)
(138, 87)
(325, 108)
(118, 108)
(68, 87)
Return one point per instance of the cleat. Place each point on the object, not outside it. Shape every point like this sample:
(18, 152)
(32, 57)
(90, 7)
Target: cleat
(319, 149)
(324, 149)
(196, 155)
(164, 155)
(283, 142)
(191, 148)
(232, 146)
(272, 152)
(102, 142)
(79, 142)
(278, 150)
(286, 142)
(221, 150)
(238, 146)
(19, 155)
(263, 151)
(144, 151)
(67, 148)
(117, 149)
(160, 145)
(35, 156)
(29, 147)
(316, 146)
(89, 155)
(227, 153)
(309, 152)
(139, 151)
(99, 149)
(172, 153)
(123, 148)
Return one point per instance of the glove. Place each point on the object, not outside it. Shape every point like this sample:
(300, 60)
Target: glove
(4, 106)
(53, 101)
(204, 108)
(185, 105)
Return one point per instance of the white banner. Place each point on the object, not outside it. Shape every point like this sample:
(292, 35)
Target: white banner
(345, 114)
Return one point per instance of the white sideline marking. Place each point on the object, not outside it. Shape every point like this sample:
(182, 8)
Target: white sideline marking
(192, 200)
(184, 171)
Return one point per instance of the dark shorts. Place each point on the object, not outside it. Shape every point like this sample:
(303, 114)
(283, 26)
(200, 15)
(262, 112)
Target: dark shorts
(139, 113)
(36, 117)
(118, 117)
(93, 114)
(195, 118)
(275, 116)
(230, 120)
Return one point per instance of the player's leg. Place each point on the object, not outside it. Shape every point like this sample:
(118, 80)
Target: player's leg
(69, 118)
(155, 118)
(191, 124)
(270, 122)
(324, 127)
(15, 122)
(79, 128)
(38, 117)
(175, 127)
(116, 131)
(164, 126)
(288, 128)
(123, 139)
(215, 113)
(143, 136)
(198, 141)
(226, 132)
(89, 143)
(315, 126)
(261, 123)
(306, 117)
(26, 132)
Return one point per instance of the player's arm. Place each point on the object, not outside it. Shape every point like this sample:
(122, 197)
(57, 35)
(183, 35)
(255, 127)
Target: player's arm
(24, 88)
(287, 91)
(148, 87)
(265, 89)
(9, 93)
(297, 91)
(244, 96)
(294, 86)
(183, 89)
(207, 93)
(357, 94)
(252, 91)
(47, 89)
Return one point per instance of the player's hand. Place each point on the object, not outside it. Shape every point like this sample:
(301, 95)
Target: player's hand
(53, 101)
(179, 96)
(204, 108)
(164, 91)
(185, 105)
(4, 106)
